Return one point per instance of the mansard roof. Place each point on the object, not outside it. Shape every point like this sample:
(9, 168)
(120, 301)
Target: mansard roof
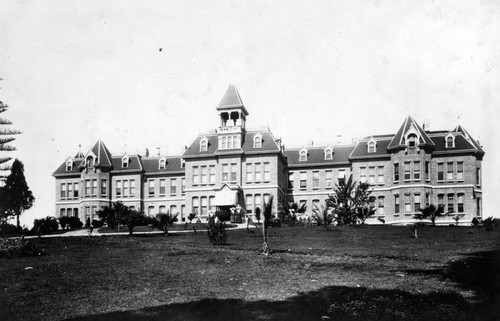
(475, 143)
(408, 125)
(173, 165)
(316, 156)
(232, 99)
(134, 164)
(463, 143)
(61, 170)
(102, 153)
(269, 145)
(381, 149)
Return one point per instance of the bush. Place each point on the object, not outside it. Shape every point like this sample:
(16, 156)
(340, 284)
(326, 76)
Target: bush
(491, 223)
(223, 216)
(63, 221)
(8, 229)
(216, 232)
(45, 225)
(149, 220)
(74, 222)
(19, 247)
(97, 223)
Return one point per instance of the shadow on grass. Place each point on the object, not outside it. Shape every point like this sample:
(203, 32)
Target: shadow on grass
(337, 303)
(477, 272)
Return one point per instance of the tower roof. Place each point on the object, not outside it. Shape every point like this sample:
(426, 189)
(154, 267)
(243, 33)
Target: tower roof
(232, 99)
(103, 155)
(410, 125)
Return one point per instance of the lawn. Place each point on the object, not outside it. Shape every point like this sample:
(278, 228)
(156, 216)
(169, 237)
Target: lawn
(364, 273)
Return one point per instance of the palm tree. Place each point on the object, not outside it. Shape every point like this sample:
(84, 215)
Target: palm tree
(268, 208)
(323, 215)
(166, 220)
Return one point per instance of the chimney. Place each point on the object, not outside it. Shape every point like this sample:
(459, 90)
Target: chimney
(146, 153)
(339, 139)
(427, 125)
(310, 143)
(158, 153)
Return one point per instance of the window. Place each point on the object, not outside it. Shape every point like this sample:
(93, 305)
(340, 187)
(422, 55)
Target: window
(315, 180)
(249, 203)
(427, 170)
(63, 190)
(328, 154)
(70, 190)
(371, 173)
(449, 171)
(163, 187)
(211, 174)
(416, 171)
(94, 187)
(196, 175)
(440, 171)
(303, 156)
(249, 173)
(407, 171)
(315, 205)
(204, 174)
(132, 187)
(224, 143)
(90, 161)
(258, 201)
(230, 142)
(162, 164)
(125, 188)
(62, 212)
(87, 187)
(183, 213)
(380, 173)
(151, 210)
(427, 199)
(478, 176)
(396, 204)
(125, 161)
(460, 171)
(233, 172)
(441, 200)
(329, 179)
(225, 172)
(407, 203)
(417, 202)
(290, 180)
(69, 165)
(257, 141)
(450, 141)
(163, 209)
(76, 186)
(451, 205)
(341, 173)
(75, 212)
(412, 140)
(196, 205)
(151, 187)
(396, 172)
(371, 147)
(381, 205)
(173, 186)
(303, 180)
(173, 209)
(258, 172)
(204, 145)
(267, 173)
(460, 203)
(204, 205)
(104, 187)
(183, 185)
(362, 174)
(118, 188)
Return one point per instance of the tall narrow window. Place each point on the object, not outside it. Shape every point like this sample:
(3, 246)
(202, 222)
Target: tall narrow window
(427, 170)
(329, 179)
(70, 190)
(267, 172)
(440, 171)
(63, 190)
(249, 203)
(75, 188)
(257, 141)
(362, 174)
(451, 205)
(396, 204)
(151, 210)
(196, 175)
(407, 171)
(449, 142)
(162, 164)
(94, 187)
(225, 172)
(441, 201)
(407, 203)
(460, 171)
(328, 154)
(224, 143)
(211, 203)
(163, 187)
(87, 187)
(173, 186)
(258, 201)
(230, 142)
(118, 188)
(258, 172)
(163, 209)
(196, 205)
(125, 188)
(478, 176)
(69, 165)
(204, 205)
(371, 177)
(303, 180)
(211, 174)
(380, 173)
(417, 202)
(132, 187)
(396, 172)
(416, 171)
(203, 145)
(234, 168)
(151, 187)
(341, 176)
(371, 147)
(204, 175)
(460, 203)
(315, 180)
(290, 180)
(449, 171)
(249, 172)
(104, 187)
(303, 156)
(183, 185)
(381, 205)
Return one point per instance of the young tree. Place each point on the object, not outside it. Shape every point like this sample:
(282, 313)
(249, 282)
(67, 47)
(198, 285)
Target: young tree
(350, 202)
(268, 209)
(166, 220)
(113, 214)
(16, 197)
(6, 136)
(323, 216)
(431, 212)
(131, 218)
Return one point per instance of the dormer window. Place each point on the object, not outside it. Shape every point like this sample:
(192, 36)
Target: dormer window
(372, 146)
(125, 161)
(412, 140)
(89, 161)
(303, 155)
(450, 141)
(69, 165)
(183, 163)
(162, 163)
(204, 144)
(257, 141)
(328, 154)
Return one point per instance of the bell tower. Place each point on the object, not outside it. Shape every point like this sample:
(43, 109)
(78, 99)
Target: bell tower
(232, 114)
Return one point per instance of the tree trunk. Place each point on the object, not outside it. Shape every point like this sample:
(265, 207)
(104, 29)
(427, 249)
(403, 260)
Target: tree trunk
(416, 232)
(17, 216)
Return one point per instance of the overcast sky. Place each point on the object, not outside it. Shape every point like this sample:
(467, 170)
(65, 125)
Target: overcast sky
(147, 74)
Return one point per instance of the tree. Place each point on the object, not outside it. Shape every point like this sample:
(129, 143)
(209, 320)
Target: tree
(6, 134)
(112, 215)
(351, 202)
(131, 218)
(431, 212)
(323, 216)
(166, 220)
(15, 196)
(268, 208)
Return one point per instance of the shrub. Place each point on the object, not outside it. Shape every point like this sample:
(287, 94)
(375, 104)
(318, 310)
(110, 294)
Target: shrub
(19, 247)
(63, 221)
(491, 224)
(45, 225)
(149, 220)
(97, 223)
(223, 216)
(216, 232)
(74, 222)
(8, 229)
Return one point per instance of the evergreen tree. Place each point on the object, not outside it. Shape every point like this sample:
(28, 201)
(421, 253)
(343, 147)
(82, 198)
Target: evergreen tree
(15, 196)
(6, 134)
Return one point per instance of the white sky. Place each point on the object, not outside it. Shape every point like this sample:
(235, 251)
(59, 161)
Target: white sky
(77, 71)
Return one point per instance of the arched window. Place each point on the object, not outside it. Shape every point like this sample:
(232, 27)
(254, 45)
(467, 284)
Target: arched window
(328, 154)
(257, 141)
(372, 146)
(89, 161)
(450, 141)
(412, 140)
(204, 145)
(162, 164)
(303, 155)
(125, 161)
(69, 165)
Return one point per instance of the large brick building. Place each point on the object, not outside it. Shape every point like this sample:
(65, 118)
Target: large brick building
(232, 165)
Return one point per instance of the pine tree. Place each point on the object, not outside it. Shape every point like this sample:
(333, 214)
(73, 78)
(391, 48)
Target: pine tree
(15, 195)
(6, 134)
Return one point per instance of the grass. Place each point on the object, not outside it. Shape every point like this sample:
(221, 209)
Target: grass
(365, 273)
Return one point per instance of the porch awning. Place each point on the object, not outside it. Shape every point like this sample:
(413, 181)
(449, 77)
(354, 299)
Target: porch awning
(225, 197)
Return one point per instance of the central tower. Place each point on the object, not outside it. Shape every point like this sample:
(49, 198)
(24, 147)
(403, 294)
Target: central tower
(232, 114)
